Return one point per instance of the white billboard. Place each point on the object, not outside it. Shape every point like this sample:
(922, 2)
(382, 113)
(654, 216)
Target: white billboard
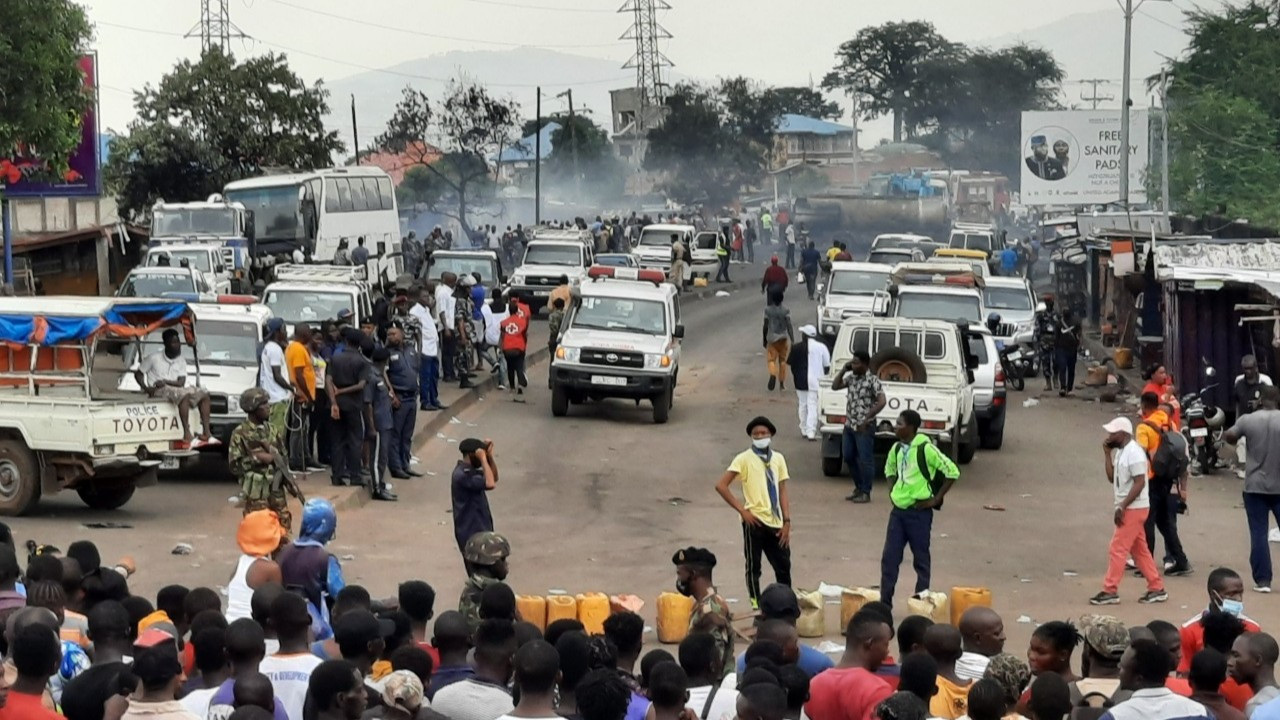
(1072, 157)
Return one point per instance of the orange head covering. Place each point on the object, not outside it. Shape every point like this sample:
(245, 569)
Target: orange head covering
(260, 533)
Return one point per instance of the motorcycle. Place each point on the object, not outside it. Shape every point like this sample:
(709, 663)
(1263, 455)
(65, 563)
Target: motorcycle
(1203, 425)
(1018, 365)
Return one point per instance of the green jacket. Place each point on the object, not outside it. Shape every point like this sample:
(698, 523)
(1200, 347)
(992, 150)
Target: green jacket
(902, 468)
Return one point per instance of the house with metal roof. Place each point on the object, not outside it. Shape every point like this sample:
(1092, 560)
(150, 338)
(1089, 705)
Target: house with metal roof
(516, 160)
(812, 141)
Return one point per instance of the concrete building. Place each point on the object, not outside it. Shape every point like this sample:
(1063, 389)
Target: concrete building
(516, 162)
(812, 141)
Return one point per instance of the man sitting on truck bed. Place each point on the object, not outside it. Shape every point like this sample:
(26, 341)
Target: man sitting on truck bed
(164, 374)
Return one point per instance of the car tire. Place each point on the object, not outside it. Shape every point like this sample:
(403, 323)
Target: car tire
(968, 448)
(19, 478)
(559, 401)
(993, 440)
(899, 365)
(102, 496)
(831, 466)
(662, 406)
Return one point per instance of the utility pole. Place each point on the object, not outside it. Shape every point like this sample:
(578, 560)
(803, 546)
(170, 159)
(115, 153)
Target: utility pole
(854, 164)
(215, 27)
(1094, 98)
(355, 132)
(1124, 104)
(537, 161)
(573, 142)
(1164, 148)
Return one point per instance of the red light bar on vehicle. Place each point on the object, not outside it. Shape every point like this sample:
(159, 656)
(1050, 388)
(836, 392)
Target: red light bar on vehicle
(603, 272)
(237, 299)
(938, 279)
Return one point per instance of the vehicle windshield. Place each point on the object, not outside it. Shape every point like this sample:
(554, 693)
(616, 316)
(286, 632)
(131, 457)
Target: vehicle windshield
(197, 259)
(887, 258)
(645, 316)
(952, 308)
(858, 282)
(155, 285)
(180, 222)
(907, 243)
(463, 266)
(1007, 299)
(653, 238)
(276, 211)
(219, 342)
(979, 267)
(614, 260)
(970, 241)
(553, 255)
(295, 306)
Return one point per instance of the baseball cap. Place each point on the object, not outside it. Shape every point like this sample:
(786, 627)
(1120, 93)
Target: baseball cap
(1105, 634)
(779, 602)
(808, 331)
(345, 314)
(1120, 424)
(275, 325)
(360, 627)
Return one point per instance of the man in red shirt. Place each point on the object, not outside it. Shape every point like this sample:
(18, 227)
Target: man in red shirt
(515, 342)
(851, 690)
(1226, 594)
(775, 276)
(36, 653)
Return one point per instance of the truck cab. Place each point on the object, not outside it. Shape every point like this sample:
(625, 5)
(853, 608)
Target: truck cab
(980, 237)
(545, 261)
(1012, 299)
(851, 289)
(159, 281)
(466, 262)
(208, 259)
(315, 293)
(923, 365)
(937, 291)
(620, 339)
(226, 225)
(653, 249)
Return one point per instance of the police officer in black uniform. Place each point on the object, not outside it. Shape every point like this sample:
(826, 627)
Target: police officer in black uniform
(402, 371)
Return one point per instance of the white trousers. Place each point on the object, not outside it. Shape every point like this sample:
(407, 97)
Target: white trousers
(807, 400)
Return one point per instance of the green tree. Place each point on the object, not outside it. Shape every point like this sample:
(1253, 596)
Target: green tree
(469, 125)
(42, 91)
(701, 149)
(805, 101)
(213, 121)
(435, 188)
(882, 64)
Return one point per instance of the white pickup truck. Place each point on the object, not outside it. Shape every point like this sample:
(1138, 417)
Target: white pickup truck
(851, 289)
(924, 365)
(653, 249)
(545, 262)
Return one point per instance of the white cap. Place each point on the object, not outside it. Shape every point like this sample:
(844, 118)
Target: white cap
(1120, 424)
(808, 331)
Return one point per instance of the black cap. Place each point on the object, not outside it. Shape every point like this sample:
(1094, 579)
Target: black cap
(694, 556)
(360, 627)
(761, 420)
(779, 602)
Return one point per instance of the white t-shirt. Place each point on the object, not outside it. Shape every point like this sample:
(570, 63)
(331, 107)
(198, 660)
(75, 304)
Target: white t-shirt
(791, 240)
(272, 356)
(725, 703)
(493, 325)
(972, 666)
(472, 699)
(430, 345)
(446, 305)
(819, 361)
(1130, 461)
(289, 675)
(196, 702)
(158, 366)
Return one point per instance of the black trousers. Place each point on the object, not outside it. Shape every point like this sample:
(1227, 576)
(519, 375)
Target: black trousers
(321, 428)
(723, 272)
(1163, 516)
(760, 540)
(298, 436)
(349, 433)
(515, 368)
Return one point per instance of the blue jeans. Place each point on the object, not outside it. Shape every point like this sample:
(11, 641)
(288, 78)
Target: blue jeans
(906, 528)
(859, 452)
(1257, 507)
(428, 381)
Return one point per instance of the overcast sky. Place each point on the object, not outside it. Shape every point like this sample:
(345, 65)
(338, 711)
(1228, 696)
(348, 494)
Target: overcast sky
(776, 42)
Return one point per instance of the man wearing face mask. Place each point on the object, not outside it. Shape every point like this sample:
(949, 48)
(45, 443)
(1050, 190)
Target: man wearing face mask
(164, 374)
(1226, 593)
(764, 508)
(710, 612)
(475, 474)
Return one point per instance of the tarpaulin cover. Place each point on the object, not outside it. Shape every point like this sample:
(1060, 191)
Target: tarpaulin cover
(131, 320)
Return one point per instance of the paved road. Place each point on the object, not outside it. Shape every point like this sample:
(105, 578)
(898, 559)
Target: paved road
(599, 501)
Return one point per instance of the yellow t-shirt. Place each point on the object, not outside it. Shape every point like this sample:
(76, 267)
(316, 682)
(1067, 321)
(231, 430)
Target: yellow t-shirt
(952, 700)
(755, 484)
(1148, 438)
(832, 253)
(298, 356)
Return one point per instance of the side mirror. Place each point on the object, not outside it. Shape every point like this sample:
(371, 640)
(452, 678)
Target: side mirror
(679, 331)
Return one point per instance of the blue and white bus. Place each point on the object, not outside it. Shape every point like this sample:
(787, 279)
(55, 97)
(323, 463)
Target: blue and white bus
(314, 210)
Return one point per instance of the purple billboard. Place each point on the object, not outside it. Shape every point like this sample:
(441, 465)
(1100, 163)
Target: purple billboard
(83, 175)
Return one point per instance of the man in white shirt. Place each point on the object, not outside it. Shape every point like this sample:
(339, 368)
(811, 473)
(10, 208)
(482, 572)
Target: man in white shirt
(703, 663)
(446, 307)
(816, 361)
(1126, 469)
(289, 669)
(271, 375)
(164, 374)
(493, 337)
(428, 350)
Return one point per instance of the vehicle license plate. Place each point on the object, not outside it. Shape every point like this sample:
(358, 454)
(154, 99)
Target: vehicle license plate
(170, 463)
(541, 293)
(607, 380)
(1199, 432)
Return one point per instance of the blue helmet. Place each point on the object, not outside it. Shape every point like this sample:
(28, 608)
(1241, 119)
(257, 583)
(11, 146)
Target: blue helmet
(993, 318)
(319, 521)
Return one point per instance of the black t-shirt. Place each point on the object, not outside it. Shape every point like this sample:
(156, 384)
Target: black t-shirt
(1246, 396)
(346, 369)
(86, 695)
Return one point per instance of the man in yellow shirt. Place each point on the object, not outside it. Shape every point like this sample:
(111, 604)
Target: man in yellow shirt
(765, 510)
(301, 372)
(945, 644)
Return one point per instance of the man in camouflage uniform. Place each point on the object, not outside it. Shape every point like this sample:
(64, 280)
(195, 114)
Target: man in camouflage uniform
(255, 447)
(710, 611)
(464, 310)
(486, 556)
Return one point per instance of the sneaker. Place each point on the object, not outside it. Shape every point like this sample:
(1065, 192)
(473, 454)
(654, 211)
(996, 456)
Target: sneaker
(1154, 596)
(861, 498)
(1105, 598)
(773, 382)
(1176, 571)
(316, 467)
(1130, 564)
(501, 386)
(1264, 589)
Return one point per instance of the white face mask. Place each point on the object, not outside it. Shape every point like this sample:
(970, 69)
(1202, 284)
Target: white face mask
(762, 443)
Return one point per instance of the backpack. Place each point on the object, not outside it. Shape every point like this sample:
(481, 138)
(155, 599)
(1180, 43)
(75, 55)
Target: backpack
(1095, 704)
(935, 483)
(1170, 459)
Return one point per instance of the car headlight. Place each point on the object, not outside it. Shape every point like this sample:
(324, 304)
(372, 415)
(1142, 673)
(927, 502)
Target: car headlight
(656, 361)
(831, 313)
(569, 354)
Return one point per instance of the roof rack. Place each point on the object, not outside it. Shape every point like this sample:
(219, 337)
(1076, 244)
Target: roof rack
(936, 273)
(321, 273)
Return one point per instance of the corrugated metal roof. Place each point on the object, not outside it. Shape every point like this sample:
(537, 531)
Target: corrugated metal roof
(790, 124)
(1228, 256)
(523, 151)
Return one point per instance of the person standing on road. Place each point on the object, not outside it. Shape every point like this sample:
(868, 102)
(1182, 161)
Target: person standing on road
(766, 226)
(428, 352)
(810, 265)
(791, 247)
(809, 361)
(255, 445)
(722, 256)
(271, 374)
(750, 235)
(345, 384)
(676, 275)
(1247, 395)
(402, 372)
(775, 278)
(711, 615)
(1046, 338)
(1260, 430)
(1165, 491)
(912, 468)
(1126, 469)
(302, 375)
(765, 508)
(379, 422)
(777, 339)
(445, 308)
(515, 343)
(1066, 348)
(864, 399)
(475, 475)
(463, 329)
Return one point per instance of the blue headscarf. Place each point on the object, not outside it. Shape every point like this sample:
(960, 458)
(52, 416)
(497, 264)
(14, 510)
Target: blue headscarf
(319, 522)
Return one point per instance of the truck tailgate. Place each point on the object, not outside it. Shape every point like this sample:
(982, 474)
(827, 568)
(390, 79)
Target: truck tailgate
(153, 423)
(935, 405)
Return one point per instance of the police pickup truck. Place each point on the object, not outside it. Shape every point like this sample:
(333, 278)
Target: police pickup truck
(621, 339)
(545, 262)
(315, 293)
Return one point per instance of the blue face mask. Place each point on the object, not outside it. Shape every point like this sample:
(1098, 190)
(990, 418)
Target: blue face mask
(1232, 607)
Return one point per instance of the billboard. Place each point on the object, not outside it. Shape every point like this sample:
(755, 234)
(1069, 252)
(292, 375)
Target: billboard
(83, 175)
(1072, 157)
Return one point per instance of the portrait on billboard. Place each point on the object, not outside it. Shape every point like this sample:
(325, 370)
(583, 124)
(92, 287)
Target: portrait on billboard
(1050, 153)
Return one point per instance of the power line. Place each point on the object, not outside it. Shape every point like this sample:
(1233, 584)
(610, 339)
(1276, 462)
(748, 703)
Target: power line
(540, 7)
(1095, 98)
(215, 27)
(409, 31)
